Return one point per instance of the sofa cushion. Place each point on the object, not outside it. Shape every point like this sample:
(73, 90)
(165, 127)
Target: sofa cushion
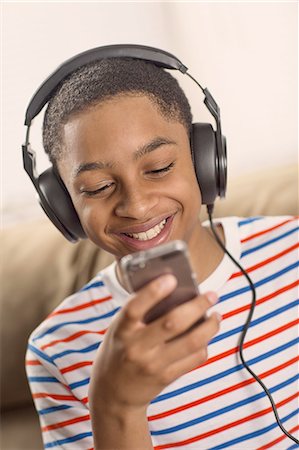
(269, 192)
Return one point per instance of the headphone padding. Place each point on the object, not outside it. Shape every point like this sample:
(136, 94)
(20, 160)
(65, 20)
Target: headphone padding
(57, 204)
(204, 153)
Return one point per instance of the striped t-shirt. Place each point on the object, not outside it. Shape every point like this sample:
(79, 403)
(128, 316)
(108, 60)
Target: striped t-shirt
(218, 404)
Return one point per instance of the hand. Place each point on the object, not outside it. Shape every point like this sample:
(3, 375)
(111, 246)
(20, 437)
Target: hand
(136, 361)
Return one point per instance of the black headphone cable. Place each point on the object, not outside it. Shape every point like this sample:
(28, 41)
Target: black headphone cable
(247, 324)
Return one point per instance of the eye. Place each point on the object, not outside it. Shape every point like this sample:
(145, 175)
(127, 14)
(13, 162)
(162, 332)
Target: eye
(162, 170)
(103, 190)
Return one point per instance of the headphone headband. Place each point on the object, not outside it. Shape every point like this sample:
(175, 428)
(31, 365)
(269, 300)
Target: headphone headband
(150, 54)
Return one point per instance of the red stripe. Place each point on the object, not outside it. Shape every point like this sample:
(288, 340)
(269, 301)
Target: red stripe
(271, 333)
(270, 444)
(65, 423)
(227, 426)
(249, 343)
(72, 337)
(32, 362)
(260, 233)
(223, 391)
(79, 307)
(266, 261)
(225, 316)
(234, 350)
(55, 396)
(76, 366)
(210, 360)
(261, 300)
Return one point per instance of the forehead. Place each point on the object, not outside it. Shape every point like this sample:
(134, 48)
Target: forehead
(120, 122)
(125, 106)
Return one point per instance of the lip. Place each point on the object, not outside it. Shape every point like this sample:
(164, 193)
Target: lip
(136, 245)
(144, 226)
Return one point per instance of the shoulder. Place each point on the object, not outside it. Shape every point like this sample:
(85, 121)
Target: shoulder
(91, 307)
(258, 222)
(268, 228)
(262, 237)
(260, 229)
(270, 242)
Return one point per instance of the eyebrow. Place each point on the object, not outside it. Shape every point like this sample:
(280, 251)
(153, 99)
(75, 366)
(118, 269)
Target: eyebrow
(139, 153)
(95, 165)
(151, 146)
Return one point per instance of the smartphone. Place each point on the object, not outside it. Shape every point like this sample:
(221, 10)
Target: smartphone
(139, 268)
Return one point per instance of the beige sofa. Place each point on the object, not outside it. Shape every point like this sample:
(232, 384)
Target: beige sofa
(40, 268)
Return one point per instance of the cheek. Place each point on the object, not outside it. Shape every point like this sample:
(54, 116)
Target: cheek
(92, 218)
(94, 224)
(186, 187)
(188, 176)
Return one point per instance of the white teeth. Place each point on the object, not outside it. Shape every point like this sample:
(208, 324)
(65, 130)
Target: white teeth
(149, 234)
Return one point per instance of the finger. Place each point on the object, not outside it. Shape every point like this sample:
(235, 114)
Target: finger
(194, 340)
(185, 354)
(146, 298)
(177, 321)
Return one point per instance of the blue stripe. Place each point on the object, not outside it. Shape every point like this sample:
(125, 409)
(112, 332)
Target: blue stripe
(43, 380)
(249, 220)
(79, 383)
(41, 412)
(225, 373)
(255, 322)
(255, 433)
(88, 349)
(218, 338)
(259, 283)
(75, 438)
(224, 410)
(92, 285)
(78, 322)
(39, 353)
(265, 244)
(293, 447)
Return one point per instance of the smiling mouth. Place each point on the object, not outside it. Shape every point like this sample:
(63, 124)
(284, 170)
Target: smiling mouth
(148, 234)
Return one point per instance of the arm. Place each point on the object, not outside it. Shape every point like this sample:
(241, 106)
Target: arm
(64, 419)
(119, 428)
(137, 361)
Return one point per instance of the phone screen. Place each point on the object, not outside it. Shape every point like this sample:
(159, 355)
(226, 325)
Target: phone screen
(171, 258)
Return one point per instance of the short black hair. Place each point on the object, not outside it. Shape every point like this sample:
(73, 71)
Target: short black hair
(98, 81)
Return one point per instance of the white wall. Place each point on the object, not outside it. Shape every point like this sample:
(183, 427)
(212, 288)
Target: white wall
(244, 52)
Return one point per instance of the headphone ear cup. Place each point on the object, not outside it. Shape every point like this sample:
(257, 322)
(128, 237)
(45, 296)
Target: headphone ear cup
(204, 153)
(57, 204)
(222, 168)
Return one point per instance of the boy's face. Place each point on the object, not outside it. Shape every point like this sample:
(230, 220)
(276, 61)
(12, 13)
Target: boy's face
(130, 175)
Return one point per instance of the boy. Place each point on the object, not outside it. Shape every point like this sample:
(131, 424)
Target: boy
(118, 133)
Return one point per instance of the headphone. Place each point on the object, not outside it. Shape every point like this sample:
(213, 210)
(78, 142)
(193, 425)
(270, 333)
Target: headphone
(208, 146)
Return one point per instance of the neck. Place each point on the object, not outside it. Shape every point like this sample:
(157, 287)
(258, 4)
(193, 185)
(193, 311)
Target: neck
(207, 254)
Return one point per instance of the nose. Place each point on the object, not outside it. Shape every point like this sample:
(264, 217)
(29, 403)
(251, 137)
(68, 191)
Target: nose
(136, 202)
